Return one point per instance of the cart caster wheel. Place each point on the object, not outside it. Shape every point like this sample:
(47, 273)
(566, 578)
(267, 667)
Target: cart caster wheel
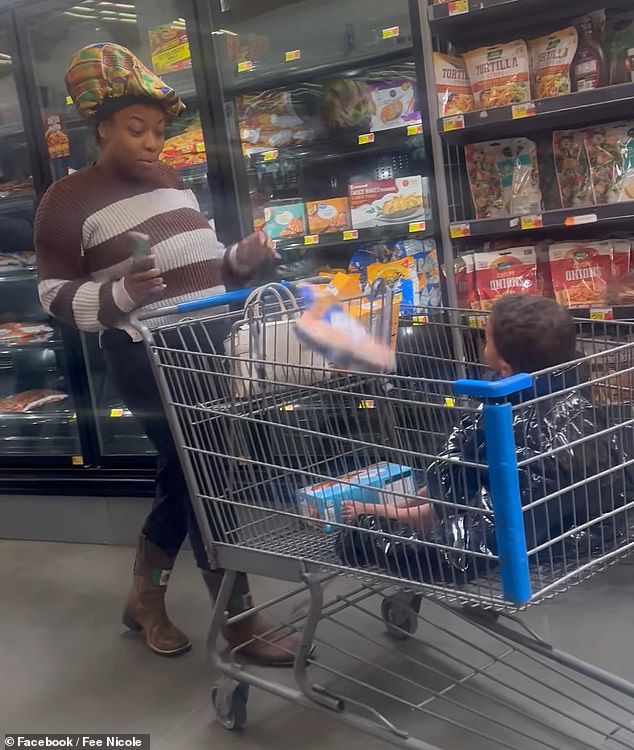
(400, 616)
(230, 702)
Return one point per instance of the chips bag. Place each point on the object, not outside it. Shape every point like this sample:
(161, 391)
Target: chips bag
(551, 61)
(452, 85)
(581, 272)
(505, 272)
(499, 74)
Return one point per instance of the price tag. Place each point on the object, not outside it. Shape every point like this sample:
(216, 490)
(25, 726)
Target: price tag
(270, 155)
(417, 226)
(519, 111)
(311, 239)
(457, 231)
(577, 221)
(116, 413)
(602, 313)
(450, 402)
(292, 55)
(366, 138)
(392, 32)
(449, 124)
(245, 66)
(457, 7)
(531, 222)
(200, 148)
(77, 460)
(69, 101)
(416, 129)
(477, 323)
(367, 405)
(350, 234)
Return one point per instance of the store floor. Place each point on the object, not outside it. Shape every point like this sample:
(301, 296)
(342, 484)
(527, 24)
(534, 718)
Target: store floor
(67, 666)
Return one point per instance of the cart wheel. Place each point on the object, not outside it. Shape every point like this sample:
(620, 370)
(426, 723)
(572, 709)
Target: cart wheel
(230, 702)
(400, 616)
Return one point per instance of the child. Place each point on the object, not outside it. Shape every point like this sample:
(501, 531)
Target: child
(524, 334)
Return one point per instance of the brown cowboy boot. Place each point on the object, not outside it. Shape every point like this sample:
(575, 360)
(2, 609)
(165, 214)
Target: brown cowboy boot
(254, 636)
(145, 608)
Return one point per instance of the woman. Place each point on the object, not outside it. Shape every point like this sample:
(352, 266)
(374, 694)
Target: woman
(87, 279)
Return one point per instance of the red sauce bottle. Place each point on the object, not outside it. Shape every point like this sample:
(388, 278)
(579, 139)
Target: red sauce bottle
(589, 67)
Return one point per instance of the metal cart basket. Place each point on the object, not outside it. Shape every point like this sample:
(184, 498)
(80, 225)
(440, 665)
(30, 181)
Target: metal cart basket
(274, 443)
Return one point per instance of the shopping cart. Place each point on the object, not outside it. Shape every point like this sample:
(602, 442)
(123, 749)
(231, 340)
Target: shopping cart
(257, 426)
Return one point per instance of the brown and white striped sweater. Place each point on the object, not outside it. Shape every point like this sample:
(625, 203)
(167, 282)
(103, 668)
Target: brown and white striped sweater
(83, 250)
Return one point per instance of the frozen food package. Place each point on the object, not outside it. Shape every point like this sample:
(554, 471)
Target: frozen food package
(328, 215)
(348, 104)
(610, 150)
(526, 196)
(464, 275)
(385, 202)
(620, 257)
(394, 103)
(581, 272)
(512, 271)
(499, 74)
(452, 85)
(551, 60)
(572, 169)
(620, 41)
(490, 171)
(29, 400)
(544, 275)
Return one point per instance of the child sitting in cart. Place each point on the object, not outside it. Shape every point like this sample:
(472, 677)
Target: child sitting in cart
(524, 334)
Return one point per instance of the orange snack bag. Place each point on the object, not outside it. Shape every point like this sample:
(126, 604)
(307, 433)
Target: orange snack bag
(581, 272)
(505, 272)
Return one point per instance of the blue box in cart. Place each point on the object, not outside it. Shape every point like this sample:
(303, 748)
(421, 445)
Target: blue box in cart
(370, 485)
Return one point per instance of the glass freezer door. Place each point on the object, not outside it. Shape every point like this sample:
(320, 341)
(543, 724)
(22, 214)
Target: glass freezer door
(157, 31)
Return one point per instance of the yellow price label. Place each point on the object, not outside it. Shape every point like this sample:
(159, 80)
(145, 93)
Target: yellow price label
(456, 122)
(69, 101)
(391, 32)
(457, 7)
(366, 138)
(531, 222)
(116, 413)
(311, 239)
(350, 234)
(367, 405)
(77, 460)
(416, 129)
(245, 66)
(200, 148)
(270, 155)
(457, 231)
(602, 313)
(417, 226)
(450, 402)
(519, 111)
(292, 55)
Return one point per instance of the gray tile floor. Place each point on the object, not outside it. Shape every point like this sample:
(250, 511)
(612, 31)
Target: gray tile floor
(66, 665)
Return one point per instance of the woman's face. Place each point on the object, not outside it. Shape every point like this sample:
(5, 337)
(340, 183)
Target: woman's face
(132, 139)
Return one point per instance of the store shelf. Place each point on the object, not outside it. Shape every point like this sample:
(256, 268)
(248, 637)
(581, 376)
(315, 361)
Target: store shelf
(571, 111)
(10, 273)
(345, 145)
(611, 215)
(274, 79)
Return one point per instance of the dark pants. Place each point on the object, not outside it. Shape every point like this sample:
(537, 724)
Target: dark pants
(172, 516)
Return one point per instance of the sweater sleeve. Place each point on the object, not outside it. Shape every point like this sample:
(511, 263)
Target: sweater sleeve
(66, 291)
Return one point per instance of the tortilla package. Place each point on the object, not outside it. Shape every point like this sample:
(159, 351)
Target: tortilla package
(452, 85)
(610, 150)
(551, 61)
(499, 75)
(572, 168)
(505, 272)
(581, 272)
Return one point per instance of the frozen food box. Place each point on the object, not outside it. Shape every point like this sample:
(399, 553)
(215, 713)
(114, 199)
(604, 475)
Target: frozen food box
(386, 202)
(332, 215)
(283, 221)
(394, 104)
(375, 484)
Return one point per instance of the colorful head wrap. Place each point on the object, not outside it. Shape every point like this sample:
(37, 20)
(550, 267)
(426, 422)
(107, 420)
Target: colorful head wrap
(109, 72)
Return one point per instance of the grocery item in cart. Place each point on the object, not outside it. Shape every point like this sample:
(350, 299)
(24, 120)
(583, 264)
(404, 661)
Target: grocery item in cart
(453, 87)
(284, 221)
(393, 103)
(505, 272)
(383, 202)
(28, 401)
(328, 215)
(610, 150)
(499, 74)
(581, 272)
(572, 169)
(379, 484)
(551, 61)
(25, 333)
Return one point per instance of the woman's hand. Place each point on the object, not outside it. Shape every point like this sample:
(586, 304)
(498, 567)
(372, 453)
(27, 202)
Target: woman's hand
(144, 282)
(253, 252)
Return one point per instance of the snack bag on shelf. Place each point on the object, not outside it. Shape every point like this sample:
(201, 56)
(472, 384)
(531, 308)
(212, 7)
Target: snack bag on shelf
(464, 275)
(544, 276)
(610, 150)
(394, 103)
(572, 169)
(384, 202)
(284, 221)
(620, 257)
(505, 272)
(551, 60)
(526, 196)
(348, 105)
(452, 85)
(581, 272)
(499, 74)
(328, 215)
(490, 169)
(425, 255)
